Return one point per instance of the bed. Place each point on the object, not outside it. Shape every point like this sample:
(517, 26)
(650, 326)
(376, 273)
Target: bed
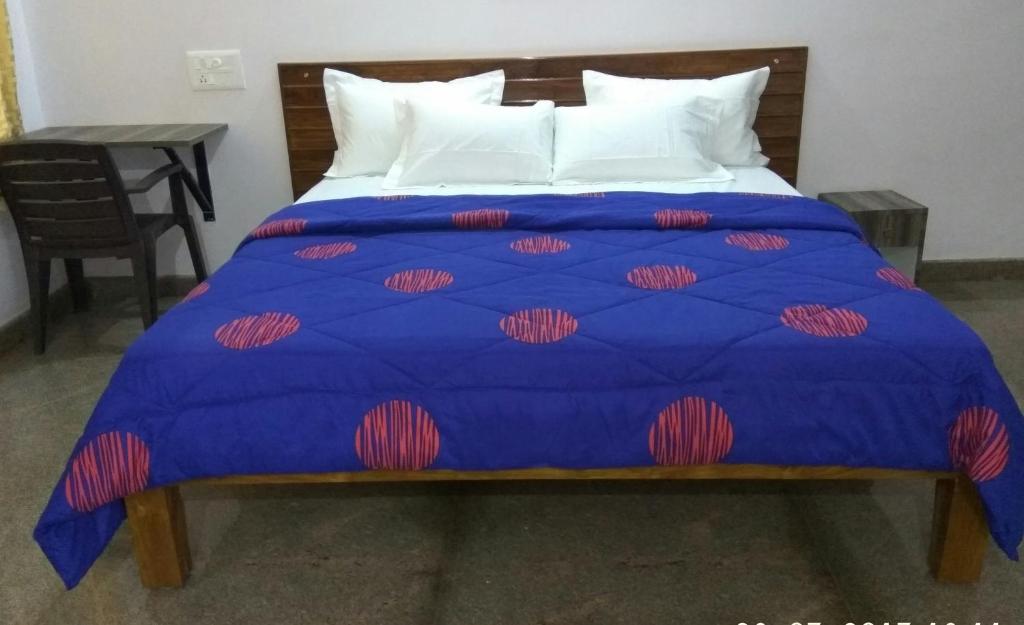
(663, 331)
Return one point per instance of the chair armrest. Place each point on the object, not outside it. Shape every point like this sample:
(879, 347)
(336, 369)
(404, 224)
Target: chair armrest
(147, 183)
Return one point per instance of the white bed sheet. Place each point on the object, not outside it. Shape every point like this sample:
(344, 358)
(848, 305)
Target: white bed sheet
(748, 180)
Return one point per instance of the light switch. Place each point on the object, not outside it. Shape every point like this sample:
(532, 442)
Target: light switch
(215, 69)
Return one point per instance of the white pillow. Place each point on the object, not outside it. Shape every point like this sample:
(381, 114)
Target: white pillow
(363, 114)
(735, 142)
(456, 143)
(636, 143)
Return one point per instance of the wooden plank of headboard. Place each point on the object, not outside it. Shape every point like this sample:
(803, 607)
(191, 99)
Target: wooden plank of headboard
(311, 142)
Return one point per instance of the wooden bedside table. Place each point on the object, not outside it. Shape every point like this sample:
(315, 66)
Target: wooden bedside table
(891, 222)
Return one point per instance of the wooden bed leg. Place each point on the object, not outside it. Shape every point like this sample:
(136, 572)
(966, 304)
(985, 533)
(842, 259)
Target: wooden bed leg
(159, 537)
(959, 532)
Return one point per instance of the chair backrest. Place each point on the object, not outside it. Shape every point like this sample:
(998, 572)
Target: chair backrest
(66, 195)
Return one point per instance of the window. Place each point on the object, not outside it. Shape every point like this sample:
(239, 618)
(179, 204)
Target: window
(10, 116)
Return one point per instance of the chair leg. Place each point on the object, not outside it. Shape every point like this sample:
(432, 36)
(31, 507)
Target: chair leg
(38, 273)
(144, 268)
(76, 280)
(179, 204)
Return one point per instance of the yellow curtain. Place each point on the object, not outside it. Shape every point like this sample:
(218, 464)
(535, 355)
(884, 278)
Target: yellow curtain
(10, 115)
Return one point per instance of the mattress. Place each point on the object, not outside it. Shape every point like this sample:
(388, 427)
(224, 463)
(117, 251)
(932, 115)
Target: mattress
(585, 330)
(746, 180)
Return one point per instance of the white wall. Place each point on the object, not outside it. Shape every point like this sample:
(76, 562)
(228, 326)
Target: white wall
(922, 96)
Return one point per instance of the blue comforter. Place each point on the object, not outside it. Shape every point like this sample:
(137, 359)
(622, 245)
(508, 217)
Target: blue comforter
(500, 332)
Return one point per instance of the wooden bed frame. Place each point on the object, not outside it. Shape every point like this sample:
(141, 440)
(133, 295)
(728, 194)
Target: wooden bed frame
(311, 145)
(157, 516)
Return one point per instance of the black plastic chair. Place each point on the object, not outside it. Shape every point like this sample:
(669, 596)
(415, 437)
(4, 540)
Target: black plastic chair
(68, 201)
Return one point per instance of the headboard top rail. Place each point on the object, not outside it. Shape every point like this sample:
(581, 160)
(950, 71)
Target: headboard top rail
(311, 142)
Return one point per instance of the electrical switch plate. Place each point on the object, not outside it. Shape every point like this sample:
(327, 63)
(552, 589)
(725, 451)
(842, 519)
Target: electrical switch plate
(215, 69)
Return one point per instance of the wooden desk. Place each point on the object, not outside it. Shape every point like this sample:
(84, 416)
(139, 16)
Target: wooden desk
(165, 137)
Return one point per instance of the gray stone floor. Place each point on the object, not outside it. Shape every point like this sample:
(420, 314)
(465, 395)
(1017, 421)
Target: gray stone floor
(491, 554)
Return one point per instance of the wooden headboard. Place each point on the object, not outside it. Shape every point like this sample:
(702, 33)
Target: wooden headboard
(311, 142)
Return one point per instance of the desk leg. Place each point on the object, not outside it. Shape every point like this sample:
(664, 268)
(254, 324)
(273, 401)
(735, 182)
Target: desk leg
(80, 292)
(202, 169)
(200, 189)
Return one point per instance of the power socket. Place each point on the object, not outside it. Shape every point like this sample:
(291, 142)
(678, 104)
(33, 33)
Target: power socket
(215, 69)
